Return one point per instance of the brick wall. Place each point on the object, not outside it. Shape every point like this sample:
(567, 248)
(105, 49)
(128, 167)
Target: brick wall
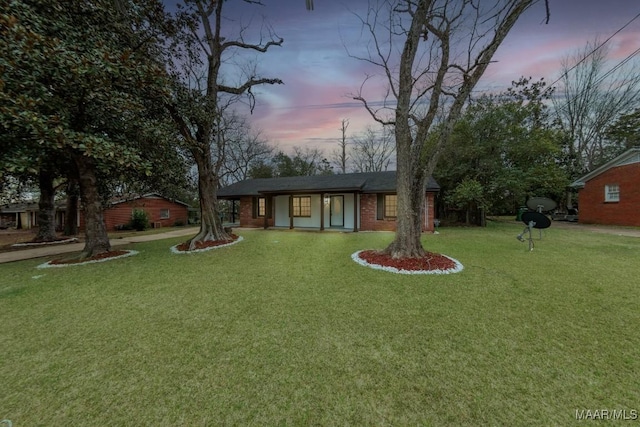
(120, 214)
(592, 209)
(246, 215)
(369, 213)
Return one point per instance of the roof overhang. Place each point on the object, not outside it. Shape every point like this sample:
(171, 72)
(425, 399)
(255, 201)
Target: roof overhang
(311, 191)
(630, 156)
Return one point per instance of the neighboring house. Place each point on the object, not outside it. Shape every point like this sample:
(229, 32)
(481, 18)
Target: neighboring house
(162, 212)
(24, 216)
(19, 215)
(355, 201)
(610, 194)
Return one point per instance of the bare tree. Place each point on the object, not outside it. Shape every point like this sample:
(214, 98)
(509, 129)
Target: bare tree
(372, 150)
(591, 98)
(200, 53)
(339, 157)
(444, 48)
(305, 161)
(244, 149)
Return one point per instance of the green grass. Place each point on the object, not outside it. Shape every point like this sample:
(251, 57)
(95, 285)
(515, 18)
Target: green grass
(285, 329)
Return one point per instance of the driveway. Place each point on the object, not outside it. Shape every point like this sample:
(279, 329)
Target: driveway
(596, 228)
(51, 250)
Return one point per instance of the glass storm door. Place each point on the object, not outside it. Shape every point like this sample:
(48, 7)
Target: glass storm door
(337, 211)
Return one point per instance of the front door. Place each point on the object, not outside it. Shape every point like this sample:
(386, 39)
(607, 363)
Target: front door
(336, 208)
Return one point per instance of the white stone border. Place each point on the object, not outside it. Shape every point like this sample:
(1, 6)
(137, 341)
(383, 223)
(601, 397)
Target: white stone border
(175, 250)
(93, 261)
(458, 268)
(57, 242)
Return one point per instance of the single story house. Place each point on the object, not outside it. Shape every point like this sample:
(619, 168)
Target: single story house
(610, 194)
(162, 212)
(19, 215)
(353, 201)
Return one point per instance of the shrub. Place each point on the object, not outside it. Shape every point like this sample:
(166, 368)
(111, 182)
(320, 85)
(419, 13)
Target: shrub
(178, 223)
(140, 220)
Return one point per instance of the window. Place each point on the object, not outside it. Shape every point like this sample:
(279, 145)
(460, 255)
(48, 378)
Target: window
(612, 193)
(262, 206)
(164, 214)
(302, 206)
(390, 206)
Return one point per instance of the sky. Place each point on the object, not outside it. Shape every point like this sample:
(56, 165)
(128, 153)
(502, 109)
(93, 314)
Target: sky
(320, 77)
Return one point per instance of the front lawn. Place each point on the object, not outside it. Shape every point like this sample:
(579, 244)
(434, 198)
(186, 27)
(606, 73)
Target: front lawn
(285, 329)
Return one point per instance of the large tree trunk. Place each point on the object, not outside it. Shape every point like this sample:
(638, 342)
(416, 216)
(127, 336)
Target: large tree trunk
(71, 216)
(410, 185)
(46, 208)
(211, 228)
(96, 239)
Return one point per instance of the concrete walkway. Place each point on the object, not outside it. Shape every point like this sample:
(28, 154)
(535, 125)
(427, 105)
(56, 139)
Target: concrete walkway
(51, 250)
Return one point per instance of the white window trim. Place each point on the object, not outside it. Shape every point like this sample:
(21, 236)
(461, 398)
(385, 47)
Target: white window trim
(612, 193)
(168, 214)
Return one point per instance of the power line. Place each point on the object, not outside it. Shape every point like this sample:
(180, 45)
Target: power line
(594, 50)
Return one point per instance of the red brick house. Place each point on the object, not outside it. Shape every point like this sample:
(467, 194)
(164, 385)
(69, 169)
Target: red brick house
(355, 201)
(610, 194)
(162, 212)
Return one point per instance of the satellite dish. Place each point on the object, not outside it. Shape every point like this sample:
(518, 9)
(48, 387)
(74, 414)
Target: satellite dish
(539, 220)
(541, 204)
(536, 219)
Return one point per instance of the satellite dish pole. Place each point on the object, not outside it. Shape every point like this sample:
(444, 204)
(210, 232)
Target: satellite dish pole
(535, 218)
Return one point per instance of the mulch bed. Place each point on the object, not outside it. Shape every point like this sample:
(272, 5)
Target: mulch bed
(102, 257)
(57, 241)
(432, 261)
(99, 257)
(184, 247)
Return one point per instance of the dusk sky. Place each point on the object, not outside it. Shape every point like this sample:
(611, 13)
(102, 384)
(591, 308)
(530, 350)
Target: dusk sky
(319, 76)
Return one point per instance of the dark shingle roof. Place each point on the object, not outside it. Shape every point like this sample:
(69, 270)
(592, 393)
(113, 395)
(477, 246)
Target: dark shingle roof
(367, 182)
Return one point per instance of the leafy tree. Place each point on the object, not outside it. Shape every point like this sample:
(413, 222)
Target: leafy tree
(262, 169)
(303, 162)
(469, 194)
(80, 82)
(445, 47)
(506, 143)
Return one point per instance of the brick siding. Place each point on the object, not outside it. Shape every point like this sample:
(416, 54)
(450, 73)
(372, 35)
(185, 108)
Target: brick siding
(246, 215)
(592, 209)
(120, 214)
(369, 214)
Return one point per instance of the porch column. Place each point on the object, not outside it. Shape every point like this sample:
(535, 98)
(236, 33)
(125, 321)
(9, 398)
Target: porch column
(321, 211)
(267, 206)
(356, 213)
(291, 212)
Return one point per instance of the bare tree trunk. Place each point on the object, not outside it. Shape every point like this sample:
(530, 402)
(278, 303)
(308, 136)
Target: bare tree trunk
(211, 228)
(96, 239)
(410, 185)
(71, 216)
(46, 208)
(422, 132)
